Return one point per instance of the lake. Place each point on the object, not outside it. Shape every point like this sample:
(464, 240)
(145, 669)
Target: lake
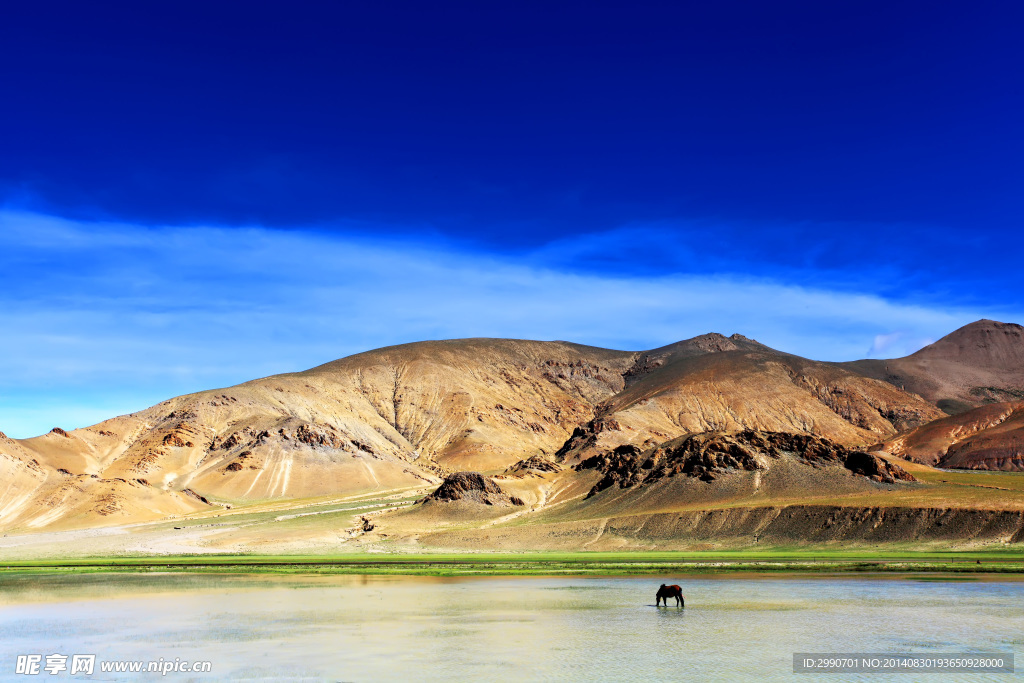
(373, 628)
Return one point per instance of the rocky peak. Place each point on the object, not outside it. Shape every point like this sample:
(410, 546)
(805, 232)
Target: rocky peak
(535, 464)
(472, 487)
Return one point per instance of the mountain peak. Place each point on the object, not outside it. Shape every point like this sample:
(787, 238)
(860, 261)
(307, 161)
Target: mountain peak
(986, 324)
(981, 343)
(711, 342)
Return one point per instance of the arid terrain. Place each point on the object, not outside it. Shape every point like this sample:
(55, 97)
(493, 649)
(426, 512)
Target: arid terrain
(709, 442)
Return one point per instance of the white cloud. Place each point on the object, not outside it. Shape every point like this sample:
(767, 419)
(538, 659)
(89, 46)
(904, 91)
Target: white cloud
(897, 344)
(98, 310)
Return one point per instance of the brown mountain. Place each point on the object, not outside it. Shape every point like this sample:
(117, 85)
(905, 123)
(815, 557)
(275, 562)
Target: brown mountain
(714, 383)
(392, 418)
(987, 438)
(977, 364)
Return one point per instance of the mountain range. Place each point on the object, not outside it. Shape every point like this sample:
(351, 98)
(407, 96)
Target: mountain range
(404, 418)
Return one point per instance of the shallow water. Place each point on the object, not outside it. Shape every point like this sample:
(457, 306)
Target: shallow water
(376, 628)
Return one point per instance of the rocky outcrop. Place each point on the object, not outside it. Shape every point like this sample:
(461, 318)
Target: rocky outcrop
(535, 465)
(471, 487)
(176, 441)
(876, 468)
(192, 494)
(711, 455)
(585, 437)
(318, 438)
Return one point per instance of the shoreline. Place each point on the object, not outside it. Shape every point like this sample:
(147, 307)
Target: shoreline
(555, 564)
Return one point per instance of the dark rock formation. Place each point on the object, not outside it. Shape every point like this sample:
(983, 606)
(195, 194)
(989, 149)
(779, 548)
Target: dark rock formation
(875, 468)
(365, 448)
(192, 494)
(586, 436)
(533, 464)
(710, 455)
(473, 487)
(60, 432)
(176, 441)
(311, 436)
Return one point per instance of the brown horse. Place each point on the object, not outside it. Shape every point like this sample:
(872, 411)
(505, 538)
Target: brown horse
(666, 592)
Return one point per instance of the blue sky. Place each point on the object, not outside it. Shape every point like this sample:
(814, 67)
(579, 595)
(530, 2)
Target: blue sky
(196, 194)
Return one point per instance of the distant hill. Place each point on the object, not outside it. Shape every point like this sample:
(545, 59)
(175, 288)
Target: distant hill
(977, 364)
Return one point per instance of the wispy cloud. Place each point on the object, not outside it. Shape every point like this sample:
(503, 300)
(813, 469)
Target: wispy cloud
(897, 344)
(105, 316)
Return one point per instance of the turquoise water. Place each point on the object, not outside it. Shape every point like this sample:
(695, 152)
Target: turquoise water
(416, 628)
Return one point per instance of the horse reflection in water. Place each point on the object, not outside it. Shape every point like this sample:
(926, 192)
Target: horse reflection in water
(666, 592)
